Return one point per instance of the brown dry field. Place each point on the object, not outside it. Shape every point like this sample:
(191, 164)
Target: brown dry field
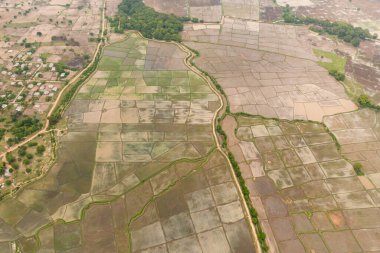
(363, 65)
(263, 73)
(308, 197)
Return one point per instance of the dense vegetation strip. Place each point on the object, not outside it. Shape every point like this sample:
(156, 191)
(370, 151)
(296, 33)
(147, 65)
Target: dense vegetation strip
(135, 15)
(57, 114)
(342, 30)
(261, 236)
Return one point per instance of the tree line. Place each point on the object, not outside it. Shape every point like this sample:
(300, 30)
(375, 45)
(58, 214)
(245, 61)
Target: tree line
(342, 30)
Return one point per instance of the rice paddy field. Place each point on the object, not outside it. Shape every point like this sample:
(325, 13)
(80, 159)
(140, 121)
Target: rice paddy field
(307, 194)
(137, 169)
(267, 69)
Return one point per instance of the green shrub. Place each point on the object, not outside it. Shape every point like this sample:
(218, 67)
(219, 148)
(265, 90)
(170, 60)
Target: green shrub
(358, 169)
(363, 100)
(40, 149)
(10, 158)
(338, 75)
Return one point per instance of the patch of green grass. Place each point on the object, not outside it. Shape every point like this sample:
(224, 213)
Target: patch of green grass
(334, 62)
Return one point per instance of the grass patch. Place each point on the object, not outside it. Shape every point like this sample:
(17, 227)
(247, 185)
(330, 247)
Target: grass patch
(337, 63)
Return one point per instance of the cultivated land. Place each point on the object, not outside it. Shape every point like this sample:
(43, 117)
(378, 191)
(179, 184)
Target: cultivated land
(307, 195)
(263, 73)
(301, 178)
(139, 134)
(206, 10)
(139, 166)
(363, 65)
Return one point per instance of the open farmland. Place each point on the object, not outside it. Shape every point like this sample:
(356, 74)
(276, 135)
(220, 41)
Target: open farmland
(363, 64)
(263, 73)
(243, 138)
(140, 127)
(307, 196)
(205, 10)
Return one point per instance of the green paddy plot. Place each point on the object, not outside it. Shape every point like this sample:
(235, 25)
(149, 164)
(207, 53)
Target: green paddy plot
(139, 125)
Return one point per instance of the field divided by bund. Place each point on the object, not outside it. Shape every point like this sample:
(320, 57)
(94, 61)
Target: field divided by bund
(137, 168)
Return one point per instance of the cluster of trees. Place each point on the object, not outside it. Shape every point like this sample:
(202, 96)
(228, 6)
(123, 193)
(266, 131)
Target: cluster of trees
(60, 67)
(342, 30)
(12, 161)
(134, 15)
(338, 75)
(22, 128)
(364, 101)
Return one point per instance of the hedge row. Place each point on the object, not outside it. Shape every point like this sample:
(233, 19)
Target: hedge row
(252, 211)
(57, 114)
